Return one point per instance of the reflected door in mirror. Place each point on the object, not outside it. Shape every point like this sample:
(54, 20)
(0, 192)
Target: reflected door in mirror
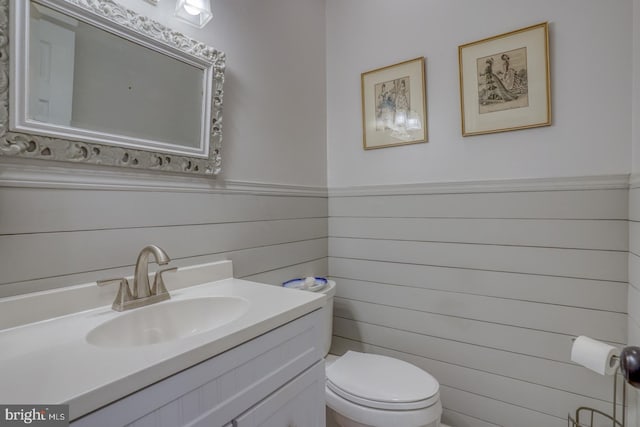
(52, 51)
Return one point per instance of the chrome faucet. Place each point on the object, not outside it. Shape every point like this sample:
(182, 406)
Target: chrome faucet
(142, 293)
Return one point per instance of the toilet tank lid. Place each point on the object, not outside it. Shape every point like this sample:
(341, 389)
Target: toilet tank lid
(381, 378)
(320, 284)
(311, 283)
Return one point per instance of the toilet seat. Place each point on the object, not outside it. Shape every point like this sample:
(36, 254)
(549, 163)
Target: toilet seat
(381, 382)
(382, 417)
(376, 404)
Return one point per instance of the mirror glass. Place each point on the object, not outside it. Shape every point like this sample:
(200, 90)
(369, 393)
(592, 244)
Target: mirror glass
(84, 77)
(94, 82)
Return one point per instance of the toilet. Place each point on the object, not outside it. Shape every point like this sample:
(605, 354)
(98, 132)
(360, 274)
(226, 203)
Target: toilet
(370, 390)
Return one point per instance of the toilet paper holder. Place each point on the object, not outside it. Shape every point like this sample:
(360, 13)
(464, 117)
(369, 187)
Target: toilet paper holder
(629, 364)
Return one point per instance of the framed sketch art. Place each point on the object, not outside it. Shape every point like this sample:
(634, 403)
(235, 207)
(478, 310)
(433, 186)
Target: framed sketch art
(504, 82)
(394, 105)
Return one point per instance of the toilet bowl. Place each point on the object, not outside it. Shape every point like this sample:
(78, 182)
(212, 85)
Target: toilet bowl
(370, 390)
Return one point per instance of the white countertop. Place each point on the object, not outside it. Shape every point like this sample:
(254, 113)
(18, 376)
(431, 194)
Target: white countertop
(50, 361)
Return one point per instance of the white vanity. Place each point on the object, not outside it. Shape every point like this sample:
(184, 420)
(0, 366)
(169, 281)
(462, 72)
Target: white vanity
(257, 363)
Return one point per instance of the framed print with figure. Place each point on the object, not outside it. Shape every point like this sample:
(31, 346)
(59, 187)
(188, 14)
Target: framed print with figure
(394, 107)
(504, 82)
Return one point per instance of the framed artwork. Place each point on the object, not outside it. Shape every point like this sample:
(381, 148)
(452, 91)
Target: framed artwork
(504, 82)
(394, 107)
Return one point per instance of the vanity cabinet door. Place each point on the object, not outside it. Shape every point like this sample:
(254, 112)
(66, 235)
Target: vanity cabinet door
(218, 390)
(300, 403)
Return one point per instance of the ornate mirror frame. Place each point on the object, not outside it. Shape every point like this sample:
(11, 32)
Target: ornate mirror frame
(110, 13)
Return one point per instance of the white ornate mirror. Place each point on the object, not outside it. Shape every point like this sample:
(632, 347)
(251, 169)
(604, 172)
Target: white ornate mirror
(94, 82)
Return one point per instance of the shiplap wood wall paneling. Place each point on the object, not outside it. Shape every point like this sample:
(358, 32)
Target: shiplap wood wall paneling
(101, 249)
(611, 204)
(485, 290)
(57, 237)
(40, 210)
(462, 420)
(585, 264)
(246, 263)
(595, 294)
(280, 275)
(633, 323)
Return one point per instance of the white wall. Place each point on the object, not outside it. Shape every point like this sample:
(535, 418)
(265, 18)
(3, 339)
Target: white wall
(590, 74)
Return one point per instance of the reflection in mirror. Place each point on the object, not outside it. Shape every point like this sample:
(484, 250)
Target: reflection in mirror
(94, 82)
(77, 79)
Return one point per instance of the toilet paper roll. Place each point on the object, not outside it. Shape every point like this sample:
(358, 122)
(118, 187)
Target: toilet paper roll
(595, 355)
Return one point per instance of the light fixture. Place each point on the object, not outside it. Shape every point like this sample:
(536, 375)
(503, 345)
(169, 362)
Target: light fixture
(194, 12)
(413, 121)
(403, 123)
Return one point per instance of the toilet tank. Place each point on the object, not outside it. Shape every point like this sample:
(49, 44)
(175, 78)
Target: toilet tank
(324, 286)
(327, 315)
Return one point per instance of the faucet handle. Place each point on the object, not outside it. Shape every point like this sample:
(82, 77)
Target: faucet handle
(124, 292)
(106, 282)
(158, 282)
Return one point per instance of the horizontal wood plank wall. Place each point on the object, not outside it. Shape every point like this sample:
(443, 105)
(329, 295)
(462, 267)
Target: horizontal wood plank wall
(634, 289)
(484, 286)
(55, 237)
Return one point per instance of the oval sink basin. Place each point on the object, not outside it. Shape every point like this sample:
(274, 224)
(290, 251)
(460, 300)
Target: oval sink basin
(167, 321)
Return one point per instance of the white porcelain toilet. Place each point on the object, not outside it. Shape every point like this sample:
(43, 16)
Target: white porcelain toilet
(369, 390)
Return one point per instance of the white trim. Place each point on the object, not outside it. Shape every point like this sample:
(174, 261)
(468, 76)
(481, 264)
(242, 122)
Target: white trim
(264, 187)
(598, 182)
(634, 181)
(26, 173)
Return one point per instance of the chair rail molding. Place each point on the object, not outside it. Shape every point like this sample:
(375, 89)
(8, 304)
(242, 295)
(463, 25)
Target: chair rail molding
(26, 173)
(592, 182)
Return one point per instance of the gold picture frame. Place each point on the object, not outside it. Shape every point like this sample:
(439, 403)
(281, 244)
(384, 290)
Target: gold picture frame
(505, 82)
(394, 105)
